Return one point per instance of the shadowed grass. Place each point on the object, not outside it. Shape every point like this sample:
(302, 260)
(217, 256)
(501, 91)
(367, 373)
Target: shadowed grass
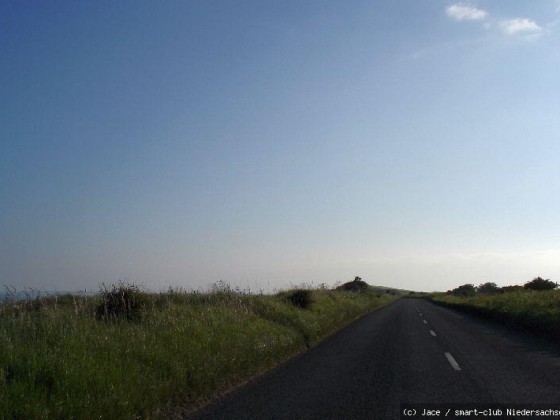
(536, 311)
(57, 360)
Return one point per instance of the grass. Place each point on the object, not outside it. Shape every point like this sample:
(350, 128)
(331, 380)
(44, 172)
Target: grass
(60, 359)
(536, 311)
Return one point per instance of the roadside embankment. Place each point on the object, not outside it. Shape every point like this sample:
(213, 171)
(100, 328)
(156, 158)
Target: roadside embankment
(125, 353)
(535, 311)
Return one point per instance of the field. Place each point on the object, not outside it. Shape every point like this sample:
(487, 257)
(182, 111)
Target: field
(159, 355)
(536, 311)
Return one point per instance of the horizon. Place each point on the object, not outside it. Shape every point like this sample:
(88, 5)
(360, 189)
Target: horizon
(266, 145)
(35, 293)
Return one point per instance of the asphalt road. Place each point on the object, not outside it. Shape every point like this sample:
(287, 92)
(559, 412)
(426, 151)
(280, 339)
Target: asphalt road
(411, 351)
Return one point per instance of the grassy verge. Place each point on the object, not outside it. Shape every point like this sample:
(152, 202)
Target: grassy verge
(535, 311)
(68, 357)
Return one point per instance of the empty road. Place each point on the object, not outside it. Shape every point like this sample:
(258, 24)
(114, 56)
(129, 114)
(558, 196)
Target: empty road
(411, 351)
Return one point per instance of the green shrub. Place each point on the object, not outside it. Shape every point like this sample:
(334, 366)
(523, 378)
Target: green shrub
(488, 288)
(510, 289)
(301, 298)
(122, 301)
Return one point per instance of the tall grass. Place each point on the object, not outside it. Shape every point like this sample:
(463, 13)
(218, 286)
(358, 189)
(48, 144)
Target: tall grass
(60, 359)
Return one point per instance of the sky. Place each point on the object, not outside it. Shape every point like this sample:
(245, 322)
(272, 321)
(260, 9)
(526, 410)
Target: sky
(274, 144)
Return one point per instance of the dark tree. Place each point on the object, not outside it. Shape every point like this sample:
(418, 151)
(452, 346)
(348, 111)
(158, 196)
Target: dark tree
(540, 284)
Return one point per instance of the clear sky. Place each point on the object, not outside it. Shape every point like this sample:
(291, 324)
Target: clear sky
(266, 144)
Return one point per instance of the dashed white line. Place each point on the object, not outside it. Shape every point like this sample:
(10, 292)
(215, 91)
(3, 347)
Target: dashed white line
(433, 332)
(425, 322)
(452, 361)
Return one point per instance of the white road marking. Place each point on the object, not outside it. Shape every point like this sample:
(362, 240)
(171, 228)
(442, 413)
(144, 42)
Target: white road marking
(425, 322)
(452, 361)
(433, 332)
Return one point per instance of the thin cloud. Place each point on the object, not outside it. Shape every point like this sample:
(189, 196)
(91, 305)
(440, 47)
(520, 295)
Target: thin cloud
(520, 26)
(462, 12)
(444, 47)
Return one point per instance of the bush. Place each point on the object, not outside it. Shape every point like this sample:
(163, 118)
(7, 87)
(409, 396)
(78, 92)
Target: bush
(357, 285)
(509, 289)
(301, 298)
(465, 290)
(540, 284)
(121, 301)
(489, 289)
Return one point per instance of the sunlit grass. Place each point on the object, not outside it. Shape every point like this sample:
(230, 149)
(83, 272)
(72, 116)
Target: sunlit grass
(59, 360)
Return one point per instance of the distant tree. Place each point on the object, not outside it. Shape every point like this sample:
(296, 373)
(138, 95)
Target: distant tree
(540, 284)
(465, 290)
(488, 288)
(356, 285)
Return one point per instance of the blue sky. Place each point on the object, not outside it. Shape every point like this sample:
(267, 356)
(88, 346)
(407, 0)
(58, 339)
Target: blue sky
(269, 144)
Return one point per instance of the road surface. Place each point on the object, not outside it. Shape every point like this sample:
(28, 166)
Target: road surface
(411, 351)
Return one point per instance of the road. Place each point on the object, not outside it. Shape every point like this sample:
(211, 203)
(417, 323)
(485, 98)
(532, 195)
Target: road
(411, 351)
